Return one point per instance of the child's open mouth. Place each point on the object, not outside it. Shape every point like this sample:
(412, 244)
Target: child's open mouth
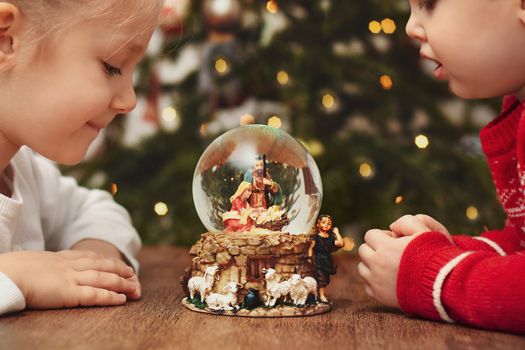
(438, 72)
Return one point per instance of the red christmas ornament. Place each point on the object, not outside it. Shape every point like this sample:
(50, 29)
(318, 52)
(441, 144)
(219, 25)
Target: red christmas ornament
(172, 16)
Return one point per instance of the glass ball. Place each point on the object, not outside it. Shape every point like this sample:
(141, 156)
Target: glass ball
(230, 190)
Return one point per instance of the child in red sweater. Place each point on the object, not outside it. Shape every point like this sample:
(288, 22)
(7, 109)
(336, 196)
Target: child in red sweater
(416, 265)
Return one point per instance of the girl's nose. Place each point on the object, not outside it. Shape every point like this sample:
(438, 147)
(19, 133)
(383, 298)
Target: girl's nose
(125, 100)
(414, 29)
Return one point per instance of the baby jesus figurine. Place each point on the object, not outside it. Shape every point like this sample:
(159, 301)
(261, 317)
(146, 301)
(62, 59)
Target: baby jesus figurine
(324, 242)
(243, 217)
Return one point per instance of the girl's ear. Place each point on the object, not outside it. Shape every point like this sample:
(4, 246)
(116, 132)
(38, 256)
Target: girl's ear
(10, 19)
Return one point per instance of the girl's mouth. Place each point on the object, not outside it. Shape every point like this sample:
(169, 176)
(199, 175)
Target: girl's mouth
(93, 126)
(439, 72)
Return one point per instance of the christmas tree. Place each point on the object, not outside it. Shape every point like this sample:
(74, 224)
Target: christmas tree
(341, 76)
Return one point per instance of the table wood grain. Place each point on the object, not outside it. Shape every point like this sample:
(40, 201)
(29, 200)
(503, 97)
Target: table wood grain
(159, 321)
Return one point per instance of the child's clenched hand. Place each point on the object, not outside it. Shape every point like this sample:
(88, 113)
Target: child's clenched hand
(68, 278)
(381, 254)
(380, 257)
(410, 225)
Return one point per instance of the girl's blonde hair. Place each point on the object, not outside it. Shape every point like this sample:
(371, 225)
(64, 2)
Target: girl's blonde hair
(48, 19)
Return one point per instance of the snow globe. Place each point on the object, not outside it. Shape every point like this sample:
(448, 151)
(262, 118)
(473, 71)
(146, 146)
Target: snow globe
(258, 192)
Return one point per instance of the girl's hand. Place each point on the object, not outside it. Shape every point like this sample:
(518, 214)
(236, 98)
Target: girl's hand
(410, 225)
(138, 292)
(69, 278)
(380, 258)
(108, 250)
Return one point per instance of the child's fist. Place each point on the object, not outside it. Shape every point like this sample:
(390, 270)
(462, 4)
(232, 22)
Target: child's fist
(410, 225)
(380, 258)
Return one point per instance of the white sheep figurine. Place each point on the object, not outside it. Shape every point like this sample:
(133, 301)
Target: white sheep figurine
(301, 288)
(226, 301)
(311, 285)
(274, 288)
(203, 284)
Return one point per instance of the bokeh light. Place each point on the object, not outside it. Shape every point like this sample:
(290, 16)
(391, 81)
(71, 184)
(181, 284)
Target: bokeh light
(275, 122)
(328, 101)
(161, 208)
(386, 82)
(421, 141)
(221, 65)
(366, 170)
(282, 77)
(388, 26)
(472, 213)
(374, 27)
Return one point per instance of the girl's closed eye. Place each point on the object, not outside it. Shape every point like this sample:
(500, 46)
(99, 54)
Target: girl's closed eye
(111, 70)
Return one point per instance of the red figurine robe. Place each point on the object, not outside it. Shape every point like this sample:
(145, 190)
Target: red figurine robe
(238, 218)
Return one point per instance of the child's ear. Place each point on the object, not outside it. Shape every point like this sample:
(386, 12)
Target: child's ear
(10, 19)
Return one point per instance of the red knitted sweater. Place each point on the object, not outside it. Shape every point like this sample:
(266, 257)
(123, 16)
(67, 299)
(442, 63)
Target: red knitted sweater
(478, 281)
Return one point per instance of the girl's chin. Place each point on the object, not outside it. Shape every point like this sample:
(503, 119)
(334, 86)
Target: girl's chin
(71, 162)
(67, 158)
(473, 91)
(466, 93)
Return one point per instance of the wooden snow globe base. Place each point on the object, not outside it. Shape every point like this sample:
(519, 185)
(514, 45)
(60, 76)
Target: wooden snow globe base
(246, 259)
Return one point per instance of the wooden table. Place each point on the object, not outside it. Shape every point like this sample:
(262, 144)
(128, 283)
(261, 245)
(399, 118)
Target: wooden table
(159, 321)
